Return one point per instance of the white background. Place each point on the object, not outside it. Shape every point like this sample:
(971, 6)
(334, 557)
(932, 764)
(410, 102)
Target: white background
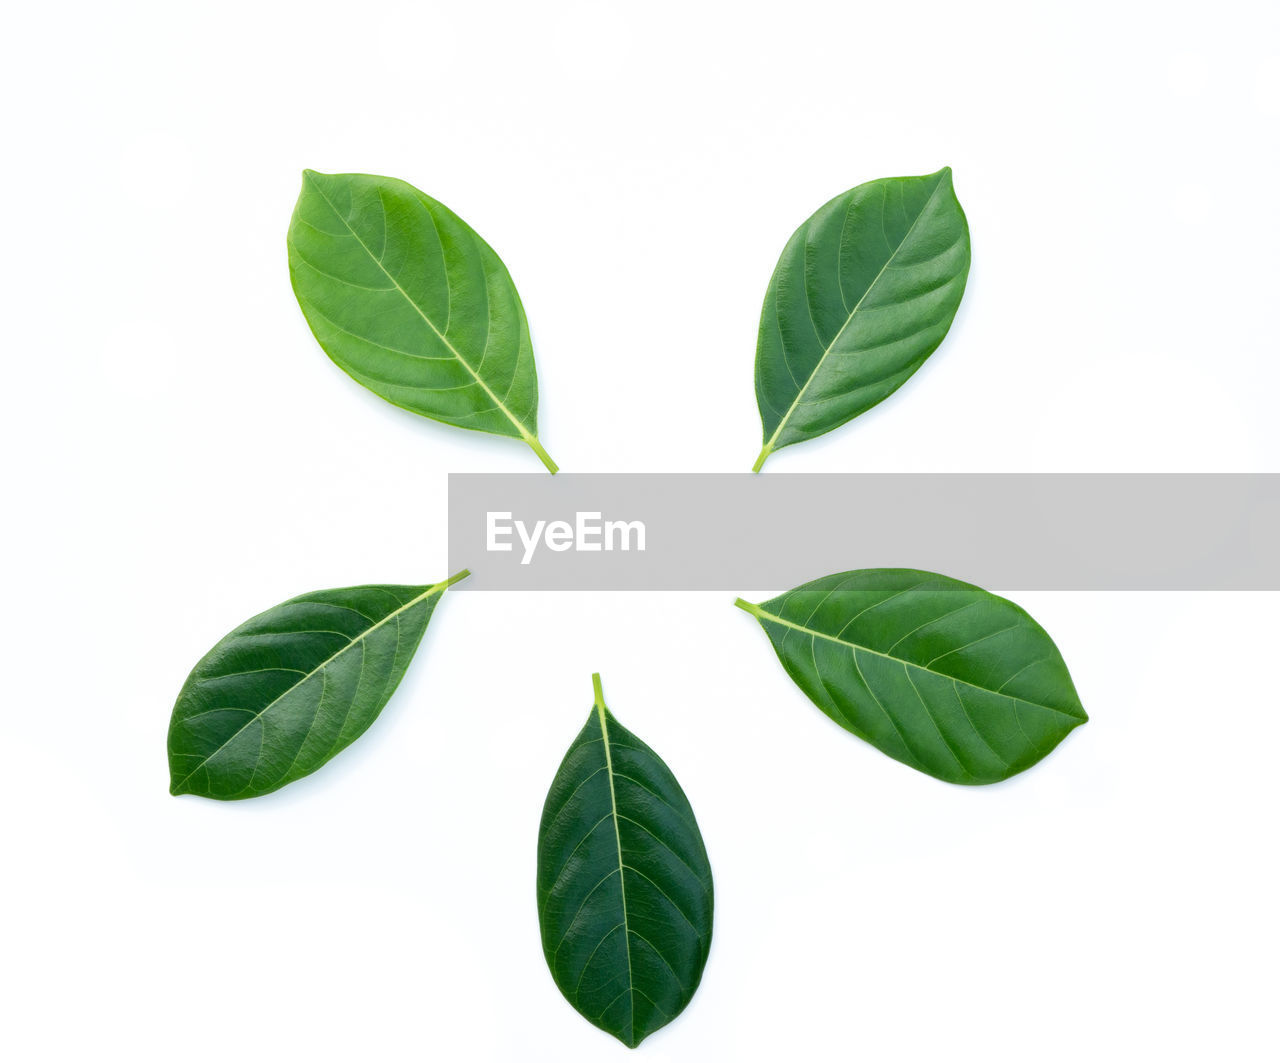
(180, 454)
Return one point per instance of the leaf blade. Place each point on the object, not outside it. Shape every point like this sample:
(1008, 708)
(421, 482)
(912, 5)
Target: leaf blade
(865, 290)
(286, 691)
(625, 895)
(941, 675)
(394, 287)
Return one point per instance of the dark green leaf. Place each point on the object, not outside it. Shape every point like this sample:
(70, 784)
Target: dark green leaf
(864, 292)
(939, 674)
(410, 302)
(624, 886)
(289, 689)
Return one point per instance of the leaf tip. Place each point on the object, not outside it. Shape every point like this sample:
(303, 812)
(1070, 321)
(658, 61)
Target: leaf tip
(625, 1035)
(311, 178)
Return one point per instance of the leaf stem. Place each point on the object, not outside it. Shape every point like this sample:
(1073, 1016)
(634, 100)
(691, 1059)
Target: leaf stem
(742, 603)
(542, 454)
(765, 451)
(597, 689)
(453, 579)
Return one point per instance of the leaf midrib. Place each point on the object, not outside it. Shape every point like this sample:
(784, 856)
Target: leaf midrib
(601, 714)
(307, 676)
(763, 614)
(524, 432)
(768, 447)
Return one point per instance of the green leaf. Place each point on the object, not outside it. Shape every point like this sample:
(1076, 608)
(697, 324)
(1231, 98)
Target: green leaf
(294, 686)
(624, 886)
(411, 303)
(864, 292)
(941, 675)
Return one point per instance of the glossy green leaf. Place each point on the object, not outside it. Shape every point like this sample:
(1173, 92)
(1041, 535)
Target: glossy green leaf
(624, 886)
(864, 292)
(411, 303)
(941, 675)
(289, 689)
